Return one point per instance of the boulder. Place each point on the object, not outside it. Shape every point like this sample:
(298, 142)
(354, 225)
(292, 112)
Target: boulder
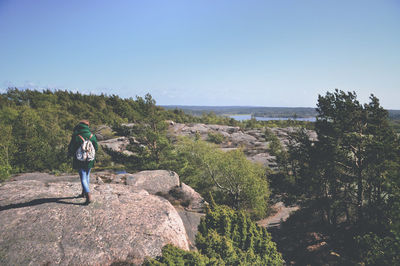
(117, 145)
(264, 159)
(103, 132)
(43, 223)
(156, 181)
(195, 200)
(128, 124)
(191, 221)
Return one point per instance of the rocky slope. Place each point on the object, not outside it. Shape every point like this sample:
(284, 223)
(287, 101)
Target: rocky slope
(43, 222)
(252, 141)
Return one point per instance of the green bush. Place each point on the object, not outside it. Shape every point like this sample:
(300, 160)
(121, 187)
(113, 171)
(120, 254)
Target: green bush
(375, 250)
(172, 255)
(215, 137)
(225, 237)
(5, 172)
(230, 177)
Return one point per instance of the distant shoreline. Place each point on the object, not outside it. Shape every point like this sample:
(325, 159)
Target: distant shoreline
(242, 117)
(263, 113)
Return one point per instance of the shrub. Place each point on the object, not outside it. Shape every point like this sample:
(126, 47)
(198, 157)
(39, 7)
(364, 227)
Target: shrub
(232, 179)
(216, 137)
(225, 237)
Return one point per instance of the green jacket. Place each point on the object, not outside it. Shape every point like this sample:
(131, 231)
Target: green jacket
(75, 143)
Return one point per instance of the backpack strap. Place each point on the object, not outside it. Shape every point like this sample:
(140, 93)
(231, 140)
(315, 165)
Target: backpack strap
(82, 138)
(90, 138)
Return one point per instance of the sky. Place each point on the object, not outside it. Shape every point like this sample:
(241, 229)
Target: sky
(204, 52)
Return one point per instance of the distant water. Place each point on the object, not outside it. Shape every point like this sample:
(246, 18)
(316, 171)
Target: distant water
(120, 172)
(248, 117)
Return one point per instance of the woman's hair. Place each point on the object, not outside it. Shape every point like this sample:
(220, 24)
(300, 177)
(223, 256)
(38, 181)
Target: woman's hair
(84, 121)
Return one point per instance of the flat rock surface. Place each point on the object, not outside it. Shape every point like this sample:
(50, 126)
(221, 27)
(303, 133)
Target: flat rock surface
(42, 222)
(153, 181)
(46, 178)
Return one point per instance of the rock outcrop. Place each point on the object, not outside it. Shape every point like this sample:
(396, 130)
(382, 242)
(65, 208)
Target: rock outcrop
(161, 181)
(44, 222)
(252, 141)
(119, 144)
(195, 202)
(103, 132)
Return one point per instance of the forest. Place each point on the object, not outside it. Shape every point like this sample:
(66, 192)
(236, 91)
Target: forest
(346, 182)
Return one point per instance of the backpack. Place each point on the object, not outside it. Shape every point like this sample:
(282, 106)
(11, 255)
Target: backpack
(86, 151)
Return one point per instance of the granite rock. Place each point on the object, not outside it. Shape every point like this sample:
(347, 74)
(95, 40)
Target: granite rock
(43, 222)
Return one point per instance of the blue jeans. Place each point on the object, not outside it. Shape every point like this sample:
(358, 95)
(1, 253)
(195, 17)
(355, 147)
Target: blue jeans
(84, 174)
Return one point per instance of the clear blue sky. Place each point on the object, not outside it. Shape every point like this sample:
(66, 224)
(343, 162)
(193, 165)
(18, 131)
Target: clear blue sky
(216, 52)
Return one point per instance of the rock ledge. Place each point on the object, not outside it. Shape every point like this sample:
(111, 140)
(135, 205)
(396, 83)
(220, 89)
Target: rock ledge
(43, 222)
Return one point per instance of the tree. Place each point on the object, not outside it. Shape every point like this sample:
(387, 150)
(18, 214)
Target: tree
(382, 247)
(151, 134)
(6, 150)
(39, 142)
(230, 176)
(42, 122)
(344, 172)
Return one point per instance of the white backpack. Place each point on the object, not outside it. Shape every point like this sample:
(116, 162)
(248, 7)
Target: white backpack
(86, 151)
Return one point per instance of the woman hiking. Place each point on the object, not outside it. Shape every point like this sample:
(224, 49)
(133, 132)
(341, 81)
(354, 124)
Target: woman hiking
(83, 165)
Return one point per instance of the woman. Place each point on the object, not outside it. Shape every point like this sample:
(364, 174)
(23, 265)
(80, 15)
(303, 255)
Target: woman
(82, 131)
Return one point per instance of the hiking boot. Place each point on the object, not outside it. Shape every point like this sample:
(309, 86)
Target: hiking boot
(88, 198)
